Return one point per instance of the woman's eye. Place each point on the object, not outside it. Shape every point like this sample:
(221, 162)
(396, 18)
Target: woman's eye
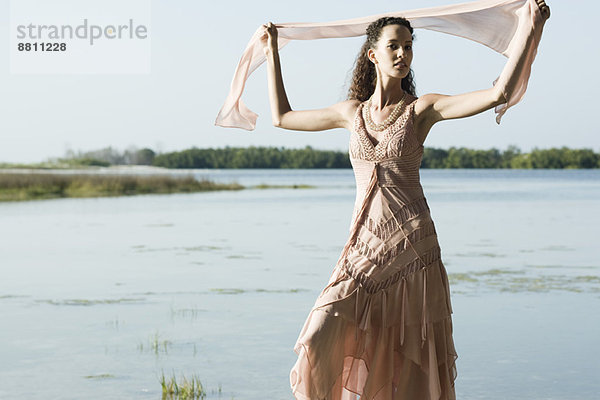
(393, 46)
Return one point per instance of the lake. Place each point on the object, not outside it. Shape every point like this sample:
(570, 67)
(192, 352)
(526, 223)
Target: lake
(101, 296)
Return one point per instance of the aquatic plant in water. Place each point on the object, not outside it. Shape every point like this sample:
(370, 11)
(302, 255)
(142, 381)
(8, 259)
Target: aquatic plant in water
(184, 389)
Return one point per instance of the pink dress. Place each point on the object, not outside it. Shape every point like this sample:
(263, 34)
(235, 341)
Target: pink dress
(382, 327)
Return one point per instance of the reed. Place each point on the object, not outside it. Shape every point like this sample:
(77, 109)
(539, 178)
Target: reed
(156, 344)
(294, 186)
(100, 376)
(62, 163)
(184, 389)
(35, 186)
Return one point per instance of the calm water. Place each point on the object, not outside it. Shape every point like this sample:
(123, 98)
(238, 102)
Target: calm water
(99, 296)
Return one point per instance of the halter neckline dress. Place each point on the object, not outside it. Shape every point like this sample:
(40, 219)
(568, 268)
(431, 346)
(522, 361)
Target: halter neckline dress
(382, 328)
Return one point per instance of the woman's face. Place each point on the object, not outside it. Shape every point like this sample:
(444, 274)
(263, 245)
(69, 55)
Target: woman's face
(393, 55)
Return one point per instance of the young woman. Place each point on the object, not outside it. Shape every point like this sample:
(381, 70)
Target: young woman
(382, 327)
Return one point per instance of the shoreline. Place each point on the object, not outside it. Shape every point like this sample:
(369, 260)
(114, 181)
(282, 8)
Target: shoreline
(113, 181)
(138, 169)
(35, 185)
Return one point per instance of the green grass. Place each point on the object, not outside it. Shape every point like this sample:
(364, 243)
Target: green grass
(266, 186)
(64, 163)
(90, 302)
(182, 389)
(259, 290)
(156, 344)
(101, 376)
(37, 186)
(508, 280)
(191, 313)
(457, 277)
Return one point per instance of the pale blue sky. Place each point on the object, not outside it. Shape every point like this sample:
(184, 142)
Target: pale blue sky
(196, 46)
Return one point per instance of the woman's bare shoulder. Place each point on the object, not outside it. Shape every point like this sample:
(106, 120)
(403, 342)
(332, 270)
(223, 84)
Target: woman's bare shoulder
(348, 109)
(424, 102)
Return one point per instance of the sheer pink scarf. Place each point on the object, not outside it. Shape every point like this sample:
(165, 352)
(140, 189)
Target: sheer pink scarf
(513, 28)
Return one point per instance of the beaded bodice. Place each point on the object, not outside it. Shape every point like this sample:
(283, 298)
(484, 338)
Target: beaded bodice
(396, 140)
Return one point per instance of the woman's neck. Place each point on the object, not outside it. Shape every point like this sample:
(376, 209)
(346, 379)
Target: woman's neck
(386, 95)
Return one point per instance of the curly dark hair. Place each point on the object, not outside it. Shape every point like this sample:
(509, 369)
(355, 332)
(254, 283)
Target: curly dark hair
(364, 75)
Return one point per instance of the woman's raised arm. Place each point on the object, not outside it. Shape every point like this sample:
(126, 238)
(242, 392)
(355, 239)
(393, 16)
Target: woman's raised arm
(434, 107)
(338, 115)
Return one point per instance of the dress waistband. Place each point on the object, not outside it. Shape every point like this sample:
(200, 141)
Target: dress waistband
(396, 171)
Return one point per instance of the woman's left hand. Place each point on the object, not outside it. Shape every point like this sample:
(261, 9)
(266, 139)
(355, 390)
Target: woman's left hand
(544, 9)
(269, 38)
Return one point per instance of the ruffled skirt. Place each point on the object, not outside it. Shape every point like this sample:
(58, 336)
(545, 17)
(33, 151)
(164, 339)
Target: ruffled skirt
(390, 343)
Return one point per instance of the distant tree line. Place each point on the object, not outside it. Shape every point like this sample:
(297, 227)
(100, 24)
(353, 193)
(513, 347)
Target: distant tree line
(253, 157)
(510, 158)
(109, 156)
(273, 157)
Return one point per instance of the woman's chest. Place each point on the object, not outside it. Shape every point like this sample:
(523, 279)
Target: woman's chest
(369, 144)
(389, 144)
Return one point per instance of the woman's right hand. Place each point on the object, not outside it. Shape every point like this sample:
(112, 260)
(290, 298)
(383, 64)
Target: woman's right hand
(269, 38)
